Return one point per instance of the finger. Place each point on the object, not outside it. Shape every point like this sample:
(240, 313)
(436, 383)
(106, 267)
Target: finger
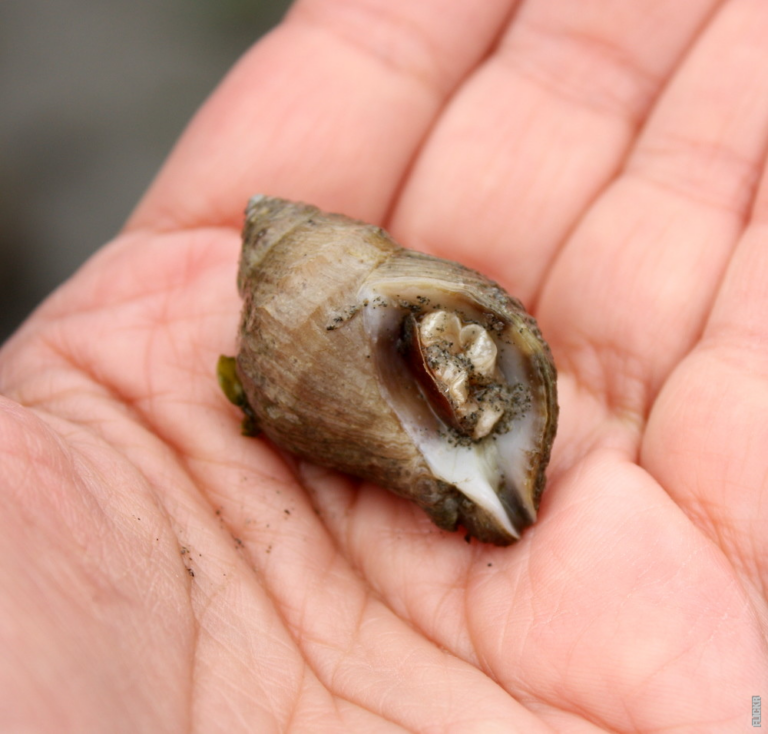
(532, 138)
(709, 431)
(739, 316)
(329, 108)
(630, 293)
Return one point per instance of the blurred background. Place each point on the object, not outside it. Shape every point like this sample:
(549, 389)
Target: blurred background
(93, 95)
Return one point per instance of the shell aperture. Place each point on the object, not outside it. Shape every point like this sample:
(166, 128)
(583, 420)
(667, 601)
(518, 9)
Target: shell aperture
(413, 372)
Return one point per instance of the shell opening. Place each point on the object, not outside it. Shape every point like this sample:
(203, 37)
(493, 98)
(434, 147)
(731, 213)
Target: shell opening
(469, 408)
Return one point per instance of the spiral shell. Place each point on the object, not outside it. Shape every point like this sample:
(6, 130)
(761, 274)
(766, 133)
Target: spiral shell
(413, 372)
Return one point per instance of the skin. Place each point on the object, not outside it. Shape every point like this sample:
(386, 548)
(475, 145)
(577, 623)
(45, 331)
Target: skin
(606, 163)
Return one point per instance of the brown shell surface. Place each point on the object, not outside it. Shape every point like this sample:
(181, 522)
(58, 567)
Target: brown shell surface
(309, 370)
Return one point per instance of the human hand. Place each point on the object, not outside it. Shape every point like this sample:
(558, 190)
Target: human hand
(605, 163)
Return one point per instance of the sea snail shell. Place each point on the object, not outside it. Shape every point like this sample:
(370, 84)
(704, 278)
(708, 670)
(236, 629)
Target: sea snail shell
(412, 372)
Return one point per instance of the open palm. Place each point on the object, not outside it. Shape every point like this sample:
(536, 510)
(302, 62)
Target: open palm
(603, 161)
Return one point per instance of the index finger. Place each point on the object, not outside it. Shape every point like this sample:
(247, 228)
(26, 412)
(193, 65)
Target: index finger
(329, 108)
